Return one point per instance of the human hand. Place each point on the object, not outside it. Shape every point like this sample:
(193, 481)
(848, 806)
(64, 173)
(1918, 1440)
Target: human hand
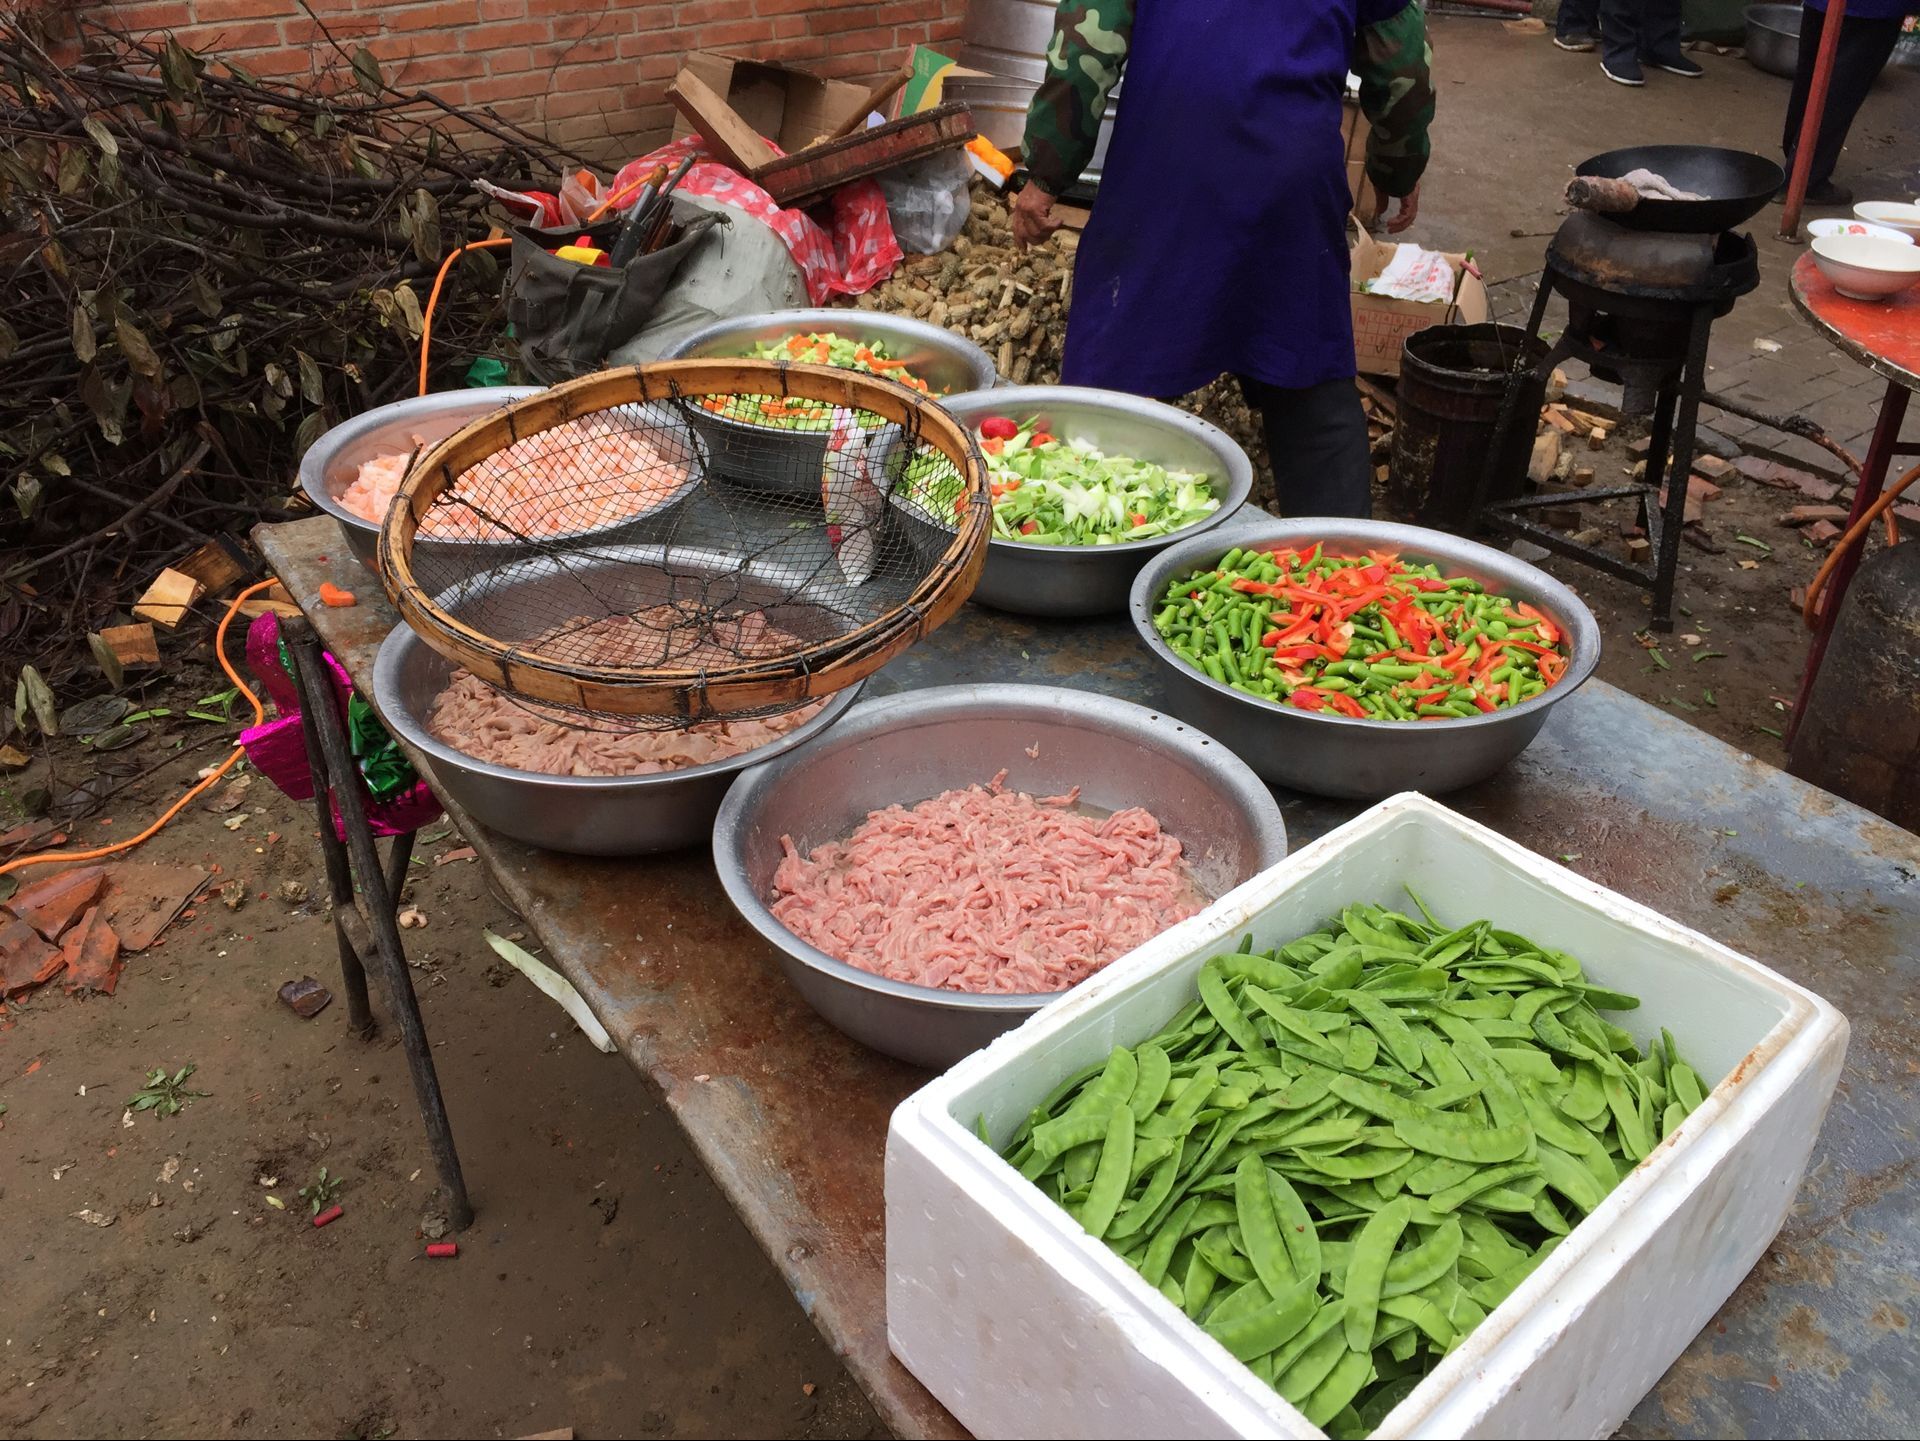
(1033, 218)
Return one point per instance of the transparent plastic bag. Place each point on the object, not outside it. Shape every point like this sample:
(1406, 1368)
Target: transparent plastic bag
(927, 201)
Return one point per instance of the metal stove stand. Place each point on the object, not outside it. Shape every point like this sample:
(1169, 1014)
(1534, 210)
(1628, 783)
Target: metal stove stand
(1640, 306)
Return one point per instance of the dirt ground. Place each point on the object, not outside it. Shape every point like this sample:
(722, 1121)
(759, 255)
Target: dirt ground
(606, 1286)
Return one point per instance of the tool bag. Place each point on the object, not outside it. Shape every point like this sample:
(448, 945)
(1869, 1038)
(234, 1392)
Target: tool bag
(569, 317)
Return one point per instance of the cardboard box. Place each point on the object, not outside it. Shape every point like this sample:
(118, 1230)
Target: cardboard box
(790, 107)
(1381, 325)
(1353, 138)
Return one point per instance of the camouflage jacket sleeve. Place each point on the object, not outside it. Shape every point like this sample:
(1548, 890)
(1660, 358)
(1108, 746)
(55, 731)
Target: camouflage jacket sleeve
(1395, 66)
(1090, 39)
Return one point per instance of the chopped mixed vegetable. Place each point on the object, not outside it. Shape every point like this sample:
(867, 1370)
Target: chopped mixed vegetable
(1049, 491)
(812, 348)
(1373, 637)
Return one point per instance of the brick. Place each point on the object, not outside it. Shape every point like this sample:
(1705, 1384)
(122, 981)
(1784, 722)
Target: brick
(851, 17)
(907, 11)
(210, 12)
(701, 12)
(304, 31)
(725, 34)
(435, 15)
(491, 10)
(784, 7)
(569, 53)
(246, 35)
(788, 26)
(639, 47)
(582, 102)
(514, 35)
(515, 86)
(436, 70)
(154, 15)
(1821, 532)
(272, 64)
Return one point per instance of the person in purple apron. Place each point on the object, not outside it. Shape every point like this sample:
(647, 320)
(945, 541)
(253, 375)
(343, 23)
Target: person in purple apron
(1219, 241)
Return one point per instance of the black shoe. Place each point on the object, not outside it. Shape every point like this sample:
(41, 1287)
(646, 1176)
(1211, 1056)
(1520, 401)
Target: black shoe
(1579, 42)
(1624, 71)
(1678, 65)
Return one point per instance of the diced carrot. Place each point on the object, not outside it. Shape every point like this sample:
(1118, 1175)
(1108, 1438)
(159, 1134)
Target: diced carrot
(332, 595)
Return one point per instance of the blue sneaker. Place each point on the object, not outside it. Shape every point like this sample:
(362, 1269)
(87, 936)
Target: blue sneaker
(1578, 41)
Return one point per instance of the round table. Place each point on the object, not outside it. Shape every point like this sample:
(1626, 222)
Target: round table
(1884, 336)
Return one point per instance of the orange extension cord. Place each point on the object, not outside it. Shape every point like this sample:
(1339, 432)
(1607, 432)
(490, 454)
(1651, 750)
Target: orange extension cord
(1856, 535)
(433, 297)
(199, 788)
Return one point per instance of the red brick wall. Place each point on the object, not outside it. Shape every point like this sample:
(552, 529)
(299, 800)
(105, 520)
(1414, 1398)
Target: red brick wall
(592, 73)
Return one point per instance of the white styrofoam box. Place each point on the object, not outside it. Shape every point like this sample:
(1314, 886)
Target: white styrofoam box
(1024, 1325)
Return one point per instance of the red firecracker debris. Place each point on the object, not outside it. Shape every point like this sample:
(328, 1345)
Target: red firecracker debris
(328, 1216)
(440, 1250)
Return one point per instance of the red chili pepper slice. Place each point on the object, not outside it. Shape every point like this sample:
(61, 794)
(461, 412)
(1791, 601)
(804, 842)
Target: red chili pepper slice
(1345, 704)
(1307, 698)
(998, 427)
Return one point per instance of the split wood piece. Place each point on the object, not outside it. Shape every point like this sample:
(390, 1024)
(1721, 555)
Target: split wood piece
(134, 644)
(1713, 467)
(50, 905)
(274, 601)
(1587, 420)
(1557, 417)
(1384, 400)
(1808, 514)
(1596, 439)
(92, 953)
(1583, 476)
(732, 140)
(216, 565)
(169, 598)
(1638, 549)
(1546, 455)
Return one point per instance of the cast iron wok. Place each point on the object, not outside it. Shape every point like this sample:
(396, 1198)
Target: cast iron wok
(1737, 186)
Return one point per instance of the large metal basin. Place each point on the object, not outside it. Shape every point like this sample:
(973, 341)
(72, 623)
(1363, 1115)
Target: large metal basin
(1073, 580)
(1773, 38)
(333, 460)
(908, 748)
(788, 462)
(583, 815)
(1333, 755)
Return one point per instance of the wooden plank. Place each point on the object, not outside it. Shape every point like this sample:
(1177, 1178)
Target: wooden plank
(1546, 455)
(1558, 419)
(729, 137)
(169, 598)
(820, 168)
(1596, 439)
(133, 644)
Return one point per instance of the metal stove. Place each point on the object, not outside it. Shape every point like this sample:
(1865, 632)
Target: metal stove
(1640, 306)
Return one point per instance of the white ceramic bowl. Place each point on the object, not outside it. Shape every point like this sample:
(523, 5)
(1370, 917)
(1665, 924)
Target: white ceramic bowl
(1895, 214)
(1866, 267)
(1822, 229)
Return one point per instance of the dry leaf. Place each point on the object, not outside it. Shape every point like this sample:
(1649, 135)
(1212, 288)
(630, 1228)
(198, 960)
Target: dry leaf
(1749, 564)
(412, 919)
(170, 1170)
(12, 757)
(233, 823)
(62, 1169)
(445, 858)
(231, 794)
(94, 1218)
(276, 1203)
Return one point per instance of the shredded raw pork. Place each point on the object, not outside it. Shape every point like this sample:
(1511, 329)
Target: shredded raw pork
(477, 720)
(576, 477)
(986, 889)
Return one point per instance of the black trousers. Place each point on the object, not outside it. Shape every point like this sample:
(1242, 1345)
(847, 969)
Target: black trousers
(1577, 17)
(1640, 29)
(1865, 46)
(1317, 443)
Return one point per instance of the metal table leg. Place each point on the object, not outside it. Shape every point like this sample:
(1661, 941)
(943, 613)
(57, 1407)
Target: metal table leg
(1873, 476)
(366, 928)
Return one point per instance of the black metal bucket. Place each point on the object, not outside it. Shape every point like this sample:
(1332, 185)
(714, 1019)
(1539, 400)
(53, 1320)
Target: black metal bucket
(1452, 381)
